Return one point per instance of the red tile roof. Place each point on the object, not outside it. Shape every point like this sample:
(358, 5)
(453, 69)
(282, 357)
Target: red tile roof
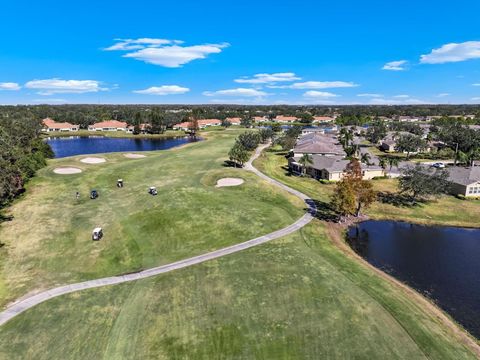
(52, 124)
(109, 124)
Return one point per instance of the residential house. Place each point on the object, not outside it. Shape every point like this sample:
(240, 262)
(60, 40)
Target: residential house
(323, 119)
(286, 119)
(320, 144)
(464, 181)
(331, 168)
(234, 120)
(313, 130)
(50, 125)
(144, 128)
(202, 124)
(110, 125)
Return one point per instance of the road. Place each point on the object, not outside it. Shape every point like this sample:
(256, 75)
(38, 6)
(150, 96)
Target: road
(27, 303)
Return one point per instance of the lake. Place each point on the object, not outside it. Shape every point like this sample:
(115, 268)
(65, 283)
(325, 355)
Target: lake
(81, 145)
(443, 263)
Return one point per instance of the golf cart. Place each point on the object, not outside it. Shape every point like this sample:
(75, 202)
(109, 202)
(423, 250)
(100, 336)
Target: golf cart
(93, 194)
(120, 183)
(152, 190)
(97, 233)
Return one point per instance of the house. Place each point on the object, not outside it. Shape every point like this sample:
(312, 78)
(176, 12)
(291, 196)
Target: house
(260, 119)
(464, 181)
(313, 130)
(408, 119)
(331, 168)
(202, 124)
(144, 128)
(323, 119)
(320, 144)
(234, 120)
(110, 125)
(286, 119)
(50, 125)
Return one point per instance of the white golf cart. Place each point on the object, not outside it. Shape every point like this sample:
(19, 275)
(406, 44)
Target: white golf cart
(120, 183)
(152, 190)
(97, 233)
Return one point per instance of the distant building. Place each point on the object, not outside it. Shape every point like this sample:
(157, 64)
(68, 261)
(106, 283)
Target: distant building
(323, 119)
(50, 125)
(202, 124)
(464, 181)
(234, 120)
(110, 125)
(286, 119)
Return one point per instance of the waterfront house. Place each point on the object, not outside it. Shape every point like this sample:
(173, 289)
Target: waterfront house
(320, 144)
(285, 119)
(323, 119)
(202, 124)
(234, 120)
(464, 180)
(110, 125)
(50, 125)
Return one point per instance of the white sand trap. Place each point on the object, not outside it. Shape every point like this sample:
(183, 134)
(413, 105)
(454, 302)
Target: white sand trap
(93, 160)
(67, 170)
(134, 156)
(229, 182)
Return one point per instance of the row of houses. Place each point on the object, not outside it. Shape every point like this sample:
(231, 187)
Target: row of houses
(294, 119)
(204, 123)
(50, 125)
(327, 158)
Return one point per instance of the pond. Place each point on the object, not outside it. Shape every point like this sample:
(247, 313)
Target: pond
(81, 145)
(443, 263)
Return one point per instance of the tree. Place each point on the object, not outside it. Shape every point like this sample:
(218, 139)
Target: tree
(249, 140)
(382, 162)
(136, 129)
(305, 160)
(365, 158)
(226, 123)
(393, 161)
(238, 154)
(276, 127)
(246, 121)
(343, 198)
(421, 182)
(266, 134)
(376, 132)
(346, 136)
(410, 143)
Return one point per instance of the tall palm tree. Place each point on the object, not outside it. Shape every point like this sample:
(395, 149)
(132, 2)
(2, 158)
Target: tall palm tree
(393, 161)
(365, 158)
(305, 160)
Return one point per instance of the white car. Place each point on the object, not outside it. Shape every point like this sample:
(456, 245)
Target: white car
(439, 165)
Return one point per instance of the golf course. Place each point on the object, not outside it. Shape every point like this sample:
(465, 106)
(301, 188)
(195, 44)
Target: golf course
(301, 296)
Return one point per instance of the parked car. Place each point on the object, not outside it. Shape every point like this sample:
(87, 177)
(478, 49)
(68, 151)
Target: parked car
(93, 194)
(439, 165)
(152, 190)
(97, 233)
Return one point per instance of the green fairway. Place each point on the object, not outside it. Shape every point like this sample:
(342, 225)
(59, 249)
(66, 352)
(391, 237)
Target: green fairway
(295, 298)
(49, 240)
(445, 210)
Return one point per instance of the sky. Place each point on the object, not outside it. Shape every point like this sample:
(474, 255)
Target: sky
(242, 52)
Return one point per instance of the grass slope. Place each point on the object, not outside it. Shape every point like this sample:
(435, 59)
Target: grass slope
(49, 242)
(295, 298)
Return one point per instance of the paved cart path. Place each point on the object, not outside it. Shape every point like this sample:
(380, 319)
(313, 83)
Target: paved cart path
(25, 304)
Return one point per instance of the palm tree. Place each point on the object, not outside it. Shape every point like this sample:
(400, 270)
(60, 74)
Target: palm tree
(382, 162)
(393, 161)
(305, 160)
(365, 158)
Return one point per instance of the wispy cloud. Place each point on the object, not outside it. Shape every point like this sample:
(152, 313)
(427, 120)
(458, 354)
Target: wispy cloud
(312, 94)
(50, 101)
(316, 85)
(371, 95)
(243, 92)
(395, 65)
(402, 96)
(476, 84)
(163, 90)
(163, 52)
(11, 86)
(397, 101)
(475, 98)
(453, 52)
(60, 86)
(443, 95)
(268, 78)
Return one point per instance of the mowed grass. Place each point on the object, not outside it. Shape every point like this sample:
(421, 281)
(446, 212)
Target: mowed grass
(298, 297)
(444, 210)
(49, 240)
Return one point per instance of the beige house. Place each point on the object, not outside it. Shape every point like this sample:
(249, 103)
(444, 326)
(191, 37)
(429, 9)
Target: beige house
(110, 125)
(331, 168)
(50, 125)
(464, 181)
(320, 144)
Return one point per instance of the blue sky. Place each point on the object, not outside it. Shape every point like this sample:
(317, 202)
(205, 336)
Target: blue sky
(248, 52)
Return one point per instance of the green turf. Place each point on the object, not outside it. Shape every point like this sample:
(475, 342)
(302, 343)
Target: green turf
(295, 298)
(49, 240)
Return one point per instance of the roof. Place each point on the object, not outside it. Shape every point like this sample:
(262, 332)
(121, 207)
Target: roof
(286, 118)
(49, 123)
(323, 118)
(204, 122)
(334, 163)
(110, 124)
(463, 176)
(315, 143)
(234, 120)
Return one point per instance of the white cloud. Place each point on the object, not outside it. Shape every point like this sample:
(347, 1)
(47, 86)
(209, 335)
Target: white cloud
(60, 86)
(163, 52)
(402, 96)
(9, 86)
(476, 98)
(453, 52)
(319, 94)
(236, 92)
(443, 95)
(316, 85)
(476, 84)
(268, 78)
(395, 65)
(371, 95)
(396, 101)
(163, 90)
(50, 101)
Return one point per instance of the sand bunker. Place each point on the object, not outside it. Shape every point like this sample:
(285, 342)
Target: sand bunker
(67, 170)
(93, 160)
(134, 156)
(229, 182)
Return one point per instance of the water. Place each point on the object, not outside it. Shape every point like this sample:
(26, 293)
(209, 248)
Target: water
(443, 263)
(80, 145)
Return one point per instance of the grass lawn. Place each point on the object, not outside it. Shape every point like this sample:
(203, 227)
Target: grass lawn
(49, 240)
(446, 210)
(298, 297)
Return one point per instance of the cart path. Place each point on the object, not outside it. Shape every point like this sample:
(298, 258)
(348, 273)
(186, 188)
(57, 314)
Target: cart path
(25, 304)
